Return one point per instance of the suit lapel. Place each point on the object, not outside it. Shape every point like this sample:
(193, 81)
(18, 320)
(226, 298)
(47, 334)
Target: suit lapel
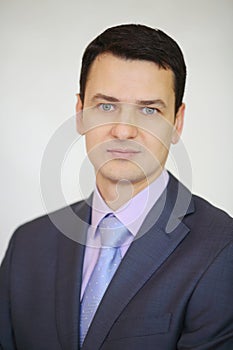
(152, 246)
(69, 278)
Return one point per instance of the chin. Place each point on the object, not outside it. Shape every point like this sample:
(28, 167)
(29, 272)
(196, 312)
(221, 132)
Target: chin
(132, 174)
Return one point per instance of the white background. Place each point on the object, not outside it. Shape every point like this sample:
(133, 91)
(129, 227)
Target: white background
(40, 53)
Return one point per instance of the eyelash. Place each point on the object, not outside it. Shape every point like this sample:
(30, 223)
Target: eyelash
(100, 106)
(113, 107)
(155, 110)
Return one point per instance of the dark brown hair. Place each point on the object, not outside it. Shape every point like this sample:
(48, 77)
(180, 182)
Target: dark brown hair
(139, 42)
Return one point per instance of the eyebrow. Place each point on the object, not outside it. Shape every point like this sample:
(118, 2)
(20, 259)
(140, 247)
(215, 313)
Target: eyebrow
(105, 97)
(157, 102)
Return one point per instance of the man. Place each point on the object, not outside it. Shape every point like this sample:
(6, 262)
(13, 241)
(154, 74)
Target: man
(172, 285)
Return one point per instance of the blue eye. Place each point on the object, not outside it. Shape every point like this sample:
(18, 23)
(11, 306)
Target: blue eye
(149, 110)
(106, 107)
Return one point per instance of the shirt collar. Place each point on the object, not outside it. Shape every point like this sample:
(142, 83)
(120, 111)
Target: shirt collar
(134, 212)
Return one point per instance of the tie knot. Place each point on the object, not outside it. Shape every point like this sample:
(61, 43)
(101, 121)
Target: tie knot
(113, 232)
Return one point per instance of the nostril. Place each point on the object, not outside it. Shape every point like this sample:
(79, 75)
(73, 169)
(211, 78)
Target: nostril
(124, 131)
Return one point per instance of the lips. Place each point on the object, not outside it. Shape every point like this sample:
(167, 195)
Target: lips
(122, 153)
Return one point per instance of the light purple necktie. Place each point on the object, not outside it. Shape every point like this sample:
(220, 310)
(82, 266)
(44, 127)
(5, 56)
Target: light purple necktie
(113, 235)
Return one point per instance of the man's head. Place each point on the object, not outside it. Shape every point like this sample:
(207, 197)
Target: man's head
(137, 42)
(130, 104)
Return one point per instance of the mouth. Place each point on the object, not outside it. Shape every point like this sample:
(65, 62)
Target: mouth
(123, 153)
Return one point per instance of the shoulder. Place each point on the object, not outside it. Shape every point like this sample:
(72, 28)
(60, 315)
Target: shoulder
(196, 210)
(39, 239)
(49, 226)
(206, 214)
(206, 223)
(211, 230)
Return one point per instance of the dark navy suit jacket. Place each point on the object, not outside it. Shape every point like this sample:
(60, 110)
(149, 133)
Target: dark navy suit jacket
(173, 289)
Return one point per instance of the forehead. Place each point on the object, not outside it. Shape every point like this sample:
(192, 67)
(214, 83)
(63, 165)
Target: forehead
(129, 79)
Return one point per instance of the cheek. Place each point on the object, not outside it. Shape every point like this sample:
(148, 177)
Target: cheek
(96, 137)
(92, 137)
(88, 143)
(156, 147)
(159, 137)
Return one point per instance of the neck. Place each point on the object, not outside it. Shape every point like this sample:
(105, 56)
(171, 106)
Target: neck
(118, 193)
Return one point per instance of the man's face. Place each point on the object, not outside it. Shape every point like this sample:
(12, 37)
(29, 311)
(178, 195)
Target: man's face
(128, 119)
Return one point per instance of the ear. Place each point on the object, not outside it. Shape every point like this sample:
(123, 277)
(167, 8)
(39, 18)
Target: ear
(179, 123)
(79, 115)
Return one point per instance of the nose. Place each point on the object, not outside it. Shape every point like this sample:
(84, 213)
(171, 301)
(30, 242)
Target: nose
(124, 131)
(124, 127)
